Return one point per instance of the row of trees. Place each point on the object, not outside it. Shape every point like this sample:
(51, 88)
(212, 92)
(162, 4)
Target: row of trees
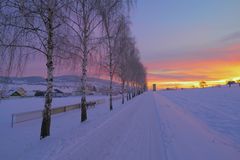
(203, 84)
(231, 82)
(71, 31)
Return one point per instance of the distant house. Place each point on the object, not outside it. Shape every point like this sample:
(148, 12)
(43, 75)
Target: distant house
(79, 93)
(39, 93)
(55, 93)
(1, 94)
(103, 90)
(58, 93)
(170, 89)
(19, 92)
(106, 91)
(30, 93)
(76, 93)
(90, 90)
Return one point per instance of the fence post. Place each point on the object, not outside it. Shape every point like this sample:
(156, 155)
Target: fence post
(12, 120)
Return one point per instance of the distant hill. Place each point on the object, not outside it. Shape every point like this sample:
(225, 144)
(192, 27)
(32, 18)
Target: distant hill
(75, 79)
(22, 80)
(59, 81)
(38, 79)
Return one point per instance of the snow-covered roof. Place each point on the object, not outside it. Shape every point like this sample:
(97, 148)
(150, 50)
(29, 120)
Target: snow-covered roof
(19, 90)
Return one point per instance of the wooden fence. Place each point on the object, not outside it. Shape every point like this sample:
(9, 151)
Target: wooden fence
(27, 116)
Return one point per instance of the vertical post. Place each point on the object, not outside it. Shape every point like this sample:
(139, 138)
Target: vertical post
(154, 87)
(12, 120)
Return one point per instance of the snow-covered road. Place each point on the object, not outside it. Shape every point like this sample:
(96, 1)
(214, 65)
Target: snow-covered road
(151, 127)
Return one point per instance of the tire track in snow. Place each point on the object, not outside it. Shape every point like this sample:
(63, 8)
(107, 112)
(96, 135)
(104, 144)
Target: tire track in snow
(133, 134)
(166, 135)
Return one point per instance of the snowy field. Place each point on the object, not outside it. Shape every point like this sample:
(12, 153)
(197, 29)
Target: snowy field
(24, 137)
(218, 108)
(199, 124)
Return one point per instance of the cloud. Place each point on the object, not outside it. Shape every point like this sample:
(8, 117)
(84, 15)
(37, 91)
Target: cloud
(231, 37)
(211, 64)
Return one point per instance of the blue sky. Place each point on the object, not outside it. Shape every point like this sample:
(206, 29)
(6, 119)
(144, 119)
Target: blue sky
(167, 28)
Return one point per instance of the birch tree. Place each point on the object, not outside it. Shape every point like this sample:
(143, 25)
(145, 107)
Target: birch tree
(110, 12)
(84, 21)
(34, 26)
(129, 67)
(122, 50)
(136, 72)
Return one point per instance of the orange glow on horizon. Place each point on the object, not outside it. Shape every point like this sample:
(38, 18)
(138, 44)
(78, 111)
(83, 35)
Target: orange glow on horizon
(187, 84)
(186, 73)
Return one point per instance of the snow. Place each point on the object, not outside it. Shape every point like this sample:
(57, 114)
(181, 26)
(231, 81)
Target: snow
(219, 108)
(187, 138)
(170, 125)
(15, 141)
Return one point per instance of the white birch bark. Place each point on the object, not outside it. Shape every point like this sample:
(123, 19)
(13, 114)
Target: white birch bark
(46, 122)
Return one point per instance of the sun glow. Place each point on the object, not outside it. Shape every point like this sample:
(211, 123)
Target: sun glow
(188, 84)
(188, 72)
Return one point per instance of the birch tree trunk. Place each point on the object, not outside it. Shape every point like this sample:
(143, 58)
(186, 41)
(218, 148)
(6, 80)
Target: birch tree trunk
(110, 46)
(111, 78)
(129, 91)
(123, 84)
(84, 76)
(46, 122)
(83, 100)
